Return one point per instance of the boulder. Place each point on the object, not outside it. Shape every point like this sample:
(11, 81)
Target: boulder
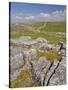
(41, 40)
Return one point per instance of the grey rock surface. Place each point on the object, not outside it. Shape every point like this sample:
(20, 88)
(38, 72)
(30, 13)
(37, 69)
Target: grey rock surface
(45, 72)
(59, 77)
(16, 64)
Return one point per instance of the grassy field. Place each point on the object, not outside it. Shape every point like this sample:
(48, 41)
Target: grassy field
(46, 26)
(52, 38)
(54, 27)
(47, 31)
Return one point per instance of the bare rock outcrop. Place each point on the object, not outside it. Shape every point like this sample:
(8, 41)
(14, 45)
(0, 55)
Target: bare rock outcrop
(16, 64)
(20, 59)
(45, 72)
(59, 77)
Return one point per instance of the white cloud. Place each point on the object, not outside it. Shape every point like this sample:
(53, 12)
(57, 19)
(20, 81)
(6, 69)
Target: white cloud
(59, 15)
(57, 12)
(53, 16)
(44, 14)
(29, 17)
(18, 17)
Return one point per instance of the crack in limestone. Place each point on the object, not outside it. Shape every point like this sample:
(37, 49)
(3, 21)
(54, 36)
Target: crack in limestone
(47, 72)
(48, 79)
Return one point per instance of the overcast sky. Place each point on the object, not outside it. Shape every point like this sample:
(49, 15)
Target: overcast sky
(25, 12)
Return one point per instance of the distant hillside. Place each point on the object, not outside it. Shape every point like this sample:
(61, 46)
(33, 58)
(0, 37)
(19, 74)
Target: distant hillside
(44, 26)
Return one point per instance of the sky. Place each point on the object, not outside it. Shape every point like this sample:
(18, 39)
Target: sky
(26, 12)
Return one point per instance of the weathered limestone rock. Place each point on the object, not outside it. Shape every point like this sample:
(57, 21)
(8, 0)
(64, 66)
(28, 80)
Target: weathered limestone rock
(39, 68)
(29, 55)
(50, 72)
(63, 61)
(20, 59)
(16, 63)
(26, 40)
(22, 40)
(56, 48)
(14, 75)
(41, 40)
(59, 77)
(42, 43)
(15, 51)
(63, 52)
(44, 71)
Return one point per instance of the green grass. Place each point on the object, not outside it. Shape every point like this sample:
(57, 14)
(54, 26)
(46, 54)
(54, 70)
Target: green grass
(24, 80)
(52, 38)
(54, 27)
(48, 31)
(37, 25)
(50, 55)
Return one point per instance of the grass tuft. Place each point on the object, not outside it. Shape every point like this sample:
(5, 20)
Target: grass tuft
(24, 80)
